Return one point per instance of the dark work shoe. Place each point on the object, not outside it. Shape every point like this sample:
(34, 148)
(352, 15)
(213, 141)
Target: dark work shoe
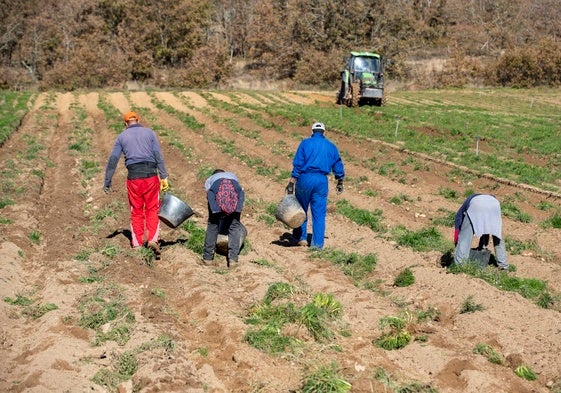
(205, 262)
(232, 263)
(298, 243)
(155, 247)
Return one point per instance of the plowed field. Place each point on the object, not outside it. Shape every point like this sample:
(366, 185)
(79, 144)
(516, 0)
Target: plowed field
(64, 228)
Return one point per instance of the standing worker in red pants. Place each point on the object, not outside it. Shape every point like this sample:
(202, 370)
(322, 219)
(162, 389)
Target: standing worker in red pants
(146, 177)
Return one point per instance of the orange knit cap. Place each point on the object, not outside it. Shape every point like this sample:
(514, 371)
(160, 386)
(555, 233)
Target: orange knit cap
(131, 116)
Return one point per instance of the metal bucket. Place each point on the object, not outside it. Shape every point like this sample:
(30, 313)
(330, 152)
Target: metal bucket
(173, 211)
(222, 239)
(480, 257)
(290, 212)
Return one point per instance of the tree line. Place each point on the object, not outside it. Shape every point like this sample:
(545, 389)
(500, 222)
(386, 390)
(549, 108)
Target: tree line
(75, 44)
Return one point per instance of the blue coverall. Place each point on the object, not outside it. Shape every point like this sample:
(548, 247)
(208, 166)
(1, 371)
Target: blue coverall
(315, 158)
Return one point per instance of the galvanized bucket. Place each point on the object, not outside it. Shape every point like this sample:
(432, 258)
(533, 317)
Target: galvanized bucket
(290, 212)
(481, 257)
(222, 239)
(173, 211)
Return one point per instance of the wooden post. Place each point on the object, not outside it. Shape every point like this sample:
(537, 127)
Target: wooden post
(477, 145)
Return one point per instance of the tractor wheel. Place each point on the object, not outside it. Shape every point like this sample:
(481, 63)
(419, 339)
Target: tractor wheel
(355, 91)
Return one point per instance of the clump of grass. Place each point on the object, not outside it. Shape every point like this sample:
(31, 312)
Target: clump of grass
(279, 290)
(19, 300)
(147, 255)
(552, 222)
(352, 264)
(469, 306)
(516, 247)
(30, 310)
(395, 336)
(125, 365)
(405, 278)
(325, 378)
(35, 237)
(509, 209)
(400, 198)
(526, 372)
(196, 237)
(414, 387)
(88, 169)
(106, 306)
(123, 369)
(5, 202)
(158, 292)
(489, 352)
(447, 219)
(398, 331)
(38, 310)
(427, 239)
(5, 221)
(272, 315)
(530, 288)
(447, 193)
(371, 219)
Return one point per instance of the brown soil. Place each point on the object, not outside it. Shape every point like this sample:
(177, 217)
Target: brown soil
(204, 308)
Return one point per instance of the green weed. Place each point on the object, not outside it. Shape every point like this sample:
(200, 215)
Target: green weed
(105, 305)
(352, 264)
(112, 113)
(371, 219)
(276, 311)
(552, 222)
(123, 369)
(489, 352)
(196, 239)
(12, 112)
(404, 278)
(395, 335)
(469, 306)
(35, 237)
(159, 293)
(448, 193)
(279, 290)
(516, 247)
(88, 168)
(5, 202)
(400, 198)
(427, 239)
(325, 378)
(447, 219)
(526, 373)
(414, 387)
(19, 300)
(5, 221)
(38, 310)
(509, 209)
(530, 288)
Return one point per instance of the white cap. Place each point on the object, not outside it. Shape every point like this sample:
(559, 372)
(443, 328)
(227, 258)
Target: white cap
(318, 127)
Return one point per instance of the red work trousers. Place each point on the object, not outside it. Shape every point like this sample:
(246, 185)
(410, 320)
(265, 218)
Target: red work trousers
(144, 202)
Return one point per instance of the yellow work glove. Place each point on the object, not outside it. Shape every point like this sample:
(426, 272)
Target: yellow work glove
(164, 185)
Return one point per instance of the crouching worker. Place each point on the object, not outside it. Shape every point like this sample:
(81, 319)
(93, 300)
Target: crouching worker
(225, 199)
(479, 215)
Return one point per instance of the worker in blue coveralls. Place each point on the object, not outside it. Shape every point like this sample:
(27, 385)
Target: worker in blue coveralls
(315, 158)
(479, 215)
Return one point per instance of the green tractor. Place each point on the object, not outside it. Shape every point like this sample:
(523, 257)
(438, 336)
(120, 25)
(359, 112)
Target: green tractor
(362, 80)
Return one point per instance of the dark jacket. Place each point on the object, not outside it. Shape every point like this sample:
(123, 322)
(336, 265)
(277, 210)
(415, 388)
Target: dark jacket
(211, 196)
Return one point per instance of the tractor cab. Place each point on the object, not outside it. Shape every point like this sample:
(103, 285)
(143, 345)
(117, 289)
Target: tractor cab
(362, 81)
